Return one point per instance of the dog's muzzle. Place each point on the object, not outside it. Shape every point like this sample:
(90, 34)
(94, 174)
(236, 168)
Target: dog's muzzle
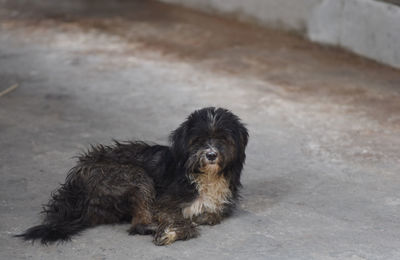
(211, 155)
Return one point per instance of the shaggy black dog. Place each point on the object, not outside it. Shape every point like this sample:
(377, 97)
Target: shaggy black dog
(161, 190)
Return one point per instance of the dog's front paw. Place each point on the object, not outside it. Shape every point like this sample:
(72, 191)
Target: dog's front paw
(165, 236)
(207, 219)
(142, 229)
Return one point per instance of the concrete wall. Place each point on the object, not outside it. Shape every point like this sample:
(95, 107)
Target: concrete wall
(366, 27)
(369, 28)
(289, 14)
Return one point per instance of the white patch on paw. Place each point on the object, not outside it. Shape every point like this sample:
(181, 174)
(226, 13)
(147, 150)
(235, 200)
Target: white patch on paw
(168, 237)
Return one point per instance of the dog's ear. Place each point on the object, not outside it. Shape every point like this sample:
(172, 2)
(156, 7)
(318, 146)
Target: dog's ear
(177, 140)
(244, 135)
(242, 142)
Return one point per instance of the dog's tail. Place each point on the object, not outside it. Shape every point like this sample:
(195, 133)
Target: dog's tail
(52, 232)
(65, 215)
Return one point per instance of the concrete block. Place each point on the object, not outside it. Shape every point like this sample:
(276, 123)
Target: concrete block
(287, 14)
(369, 28)
(366, 27)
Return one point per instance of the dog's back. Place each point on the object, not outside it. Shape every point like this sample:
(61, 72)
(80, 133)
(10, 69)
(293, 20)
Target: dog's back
(110, 184)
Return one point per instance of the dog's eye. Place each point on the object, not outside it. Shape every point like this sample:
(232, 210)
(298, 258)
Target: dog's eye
(193, 141)
(226, 139)
(230, 140)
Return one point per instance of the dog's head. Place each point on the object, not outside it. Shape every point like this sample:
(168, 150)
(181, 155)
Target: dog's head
(210, 140)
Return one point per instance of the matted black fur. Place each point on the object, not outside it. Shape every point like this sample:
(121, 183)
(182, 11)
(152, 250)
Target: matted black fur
(166, 191)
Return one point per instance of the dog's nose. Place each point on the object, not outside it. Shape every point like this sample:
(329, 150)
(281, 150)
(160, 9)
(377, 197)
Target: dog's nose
(211, 156)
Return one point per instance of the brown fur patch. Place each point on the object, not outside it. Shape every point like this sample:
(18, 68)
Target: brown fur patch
(213, 191)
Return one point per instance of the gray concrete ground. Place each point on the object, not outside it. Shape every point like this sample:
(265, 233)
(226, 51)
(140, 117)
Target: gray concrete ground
(322, 176)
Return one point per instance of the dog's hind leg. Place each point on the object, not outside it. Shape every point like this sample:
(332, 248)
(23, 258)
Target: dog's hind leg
(142, 200)
(141, 223)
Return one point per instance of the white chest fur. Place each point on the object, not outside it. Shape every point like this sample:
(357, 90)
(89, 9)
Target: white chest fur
(214, 193)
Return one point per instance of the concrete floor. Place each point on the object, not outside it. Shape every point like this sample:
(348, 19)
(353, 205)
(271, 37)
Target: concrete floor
(322, 175)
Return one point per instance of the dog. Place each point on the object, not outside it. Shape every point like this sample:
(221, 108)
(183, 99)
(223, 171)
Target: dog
(164, 191)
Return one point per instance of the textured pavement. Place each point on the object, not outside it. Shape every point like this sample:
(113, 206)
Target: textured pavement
(322, 174)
